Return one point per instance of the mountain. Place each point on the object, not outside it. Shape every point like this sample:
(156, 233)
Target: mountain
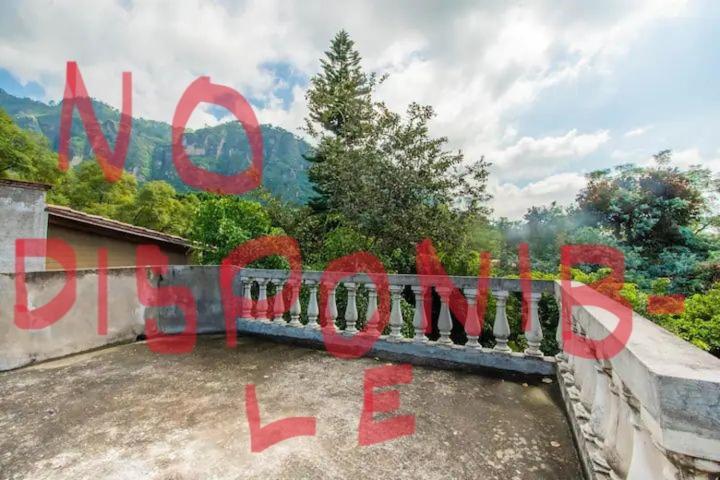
(222, 148)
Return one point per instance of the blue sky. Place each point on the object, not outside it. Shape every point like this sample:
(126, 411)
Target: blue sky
(547, 91)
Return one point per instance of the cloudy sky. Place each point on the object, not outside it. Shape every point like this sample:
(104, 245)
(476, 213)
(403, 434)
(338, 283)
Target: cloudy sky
(546, 90)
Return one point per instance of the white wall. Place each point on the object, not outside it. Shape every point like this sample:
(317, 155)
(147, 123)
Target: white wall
(22, 215)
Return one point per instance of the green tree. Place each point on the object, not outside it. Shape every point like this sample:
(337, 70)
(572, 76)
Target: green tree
(85, 188)
(546, 229)
(340, 109)
(658, 213)
(382, 174)
(651, 207)
(25, 155)
(159, 207)
(224, 222)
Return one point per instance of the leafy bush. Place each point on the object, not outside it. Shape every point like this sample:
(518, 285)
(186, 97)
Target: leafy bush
(700, 322)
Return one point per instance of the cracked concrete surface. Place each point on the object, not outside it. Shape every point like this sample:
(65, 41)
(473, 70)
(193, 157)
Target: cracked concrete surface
(127, 413)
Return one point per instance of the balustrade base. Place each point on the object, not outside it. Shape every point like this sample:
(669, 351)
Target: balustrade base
(417, 353)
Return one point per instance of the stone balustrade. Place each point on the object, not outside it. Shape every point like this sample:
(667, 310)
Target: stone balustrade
(256, 282)
(650, 412)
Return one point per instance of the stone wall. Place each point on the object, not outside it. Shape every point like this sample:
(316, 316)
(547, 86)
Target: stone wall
(651, 411)
(78, 329)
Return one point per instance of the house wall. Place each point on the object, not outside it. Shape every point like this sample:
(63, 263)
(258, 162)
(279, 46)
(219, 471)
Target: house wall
(22, 215)
(121, 252)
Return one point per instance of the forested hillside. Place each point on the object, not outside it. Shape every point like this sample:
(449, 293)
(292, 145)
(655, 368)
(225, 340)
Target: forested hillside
(222, 148)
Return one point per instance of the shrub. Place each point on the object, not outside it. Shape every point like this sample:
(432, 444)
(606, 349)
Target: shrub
(700, 322)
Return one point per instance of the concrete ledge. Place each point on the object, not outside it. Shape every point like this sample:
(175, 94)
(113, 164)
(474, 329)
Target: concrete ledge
(77, 330)
(426, 354)
(676, 383)
(583, 446)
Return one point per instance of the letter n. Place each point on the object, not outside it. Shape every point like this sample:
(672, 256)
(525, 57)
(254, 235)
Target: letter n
(76, 95)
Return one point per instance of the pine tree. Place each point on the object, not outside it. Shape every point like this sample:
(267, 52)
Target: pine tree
(380, 176)
(340, 109)
(339, 99)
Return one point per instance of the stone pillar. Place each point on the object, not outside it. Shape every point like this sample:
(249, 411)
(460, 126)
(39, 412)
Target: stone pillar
(246, 310)
(295, 308)
(331, 311)
(647, 461)
(419, 314)
(534, 334)
(396, 319)
(372, 305)
(473, 325)
(444, 319)
(561, 356)
(501, 328)
(313, 310)
(351, 313)
(261, 313)
(279, 304)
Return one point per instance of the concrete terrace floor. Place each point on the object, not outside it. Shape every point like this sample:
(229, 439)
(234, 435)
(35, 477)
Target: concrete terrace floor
(125, 413)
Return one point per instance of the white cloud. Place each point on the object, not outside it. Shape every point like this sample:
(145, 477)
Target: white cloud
(497, 59)
(288, 119)
(636, 132)
(512, 201)
(531, 157)
(480, 64)
(692, 156)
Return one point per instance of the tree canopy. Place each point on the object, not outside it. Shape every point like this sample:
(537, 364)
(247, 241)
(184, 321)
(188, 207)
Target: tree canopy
(25, 155)
(381, 176)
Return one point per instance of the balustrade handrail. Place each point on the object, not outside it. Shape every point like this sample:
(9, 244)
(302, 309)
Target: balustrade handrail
(495, 283)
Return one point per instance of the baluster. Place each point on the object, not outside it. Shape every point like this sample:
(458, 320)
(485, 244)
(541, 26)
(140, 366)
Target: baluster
(279, 305)
(534, 333)
(372, 306)
(647, 461)
(351, 313)
(601, 402)
(473, 326)
(444, 320)
(396, 318)
(599, 415)
(331, 311)
(261, 309)
(623, 441)
(419, 314)
(610, 447)
(246, 305)
(501, 328)
(559, 330)
(312, 309)
(585, 380)
(295, 308)
(561, 356)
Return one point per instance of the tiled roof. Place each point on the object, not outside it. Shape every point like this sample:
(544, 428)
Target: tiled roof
(101, 223)
(23, 184)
